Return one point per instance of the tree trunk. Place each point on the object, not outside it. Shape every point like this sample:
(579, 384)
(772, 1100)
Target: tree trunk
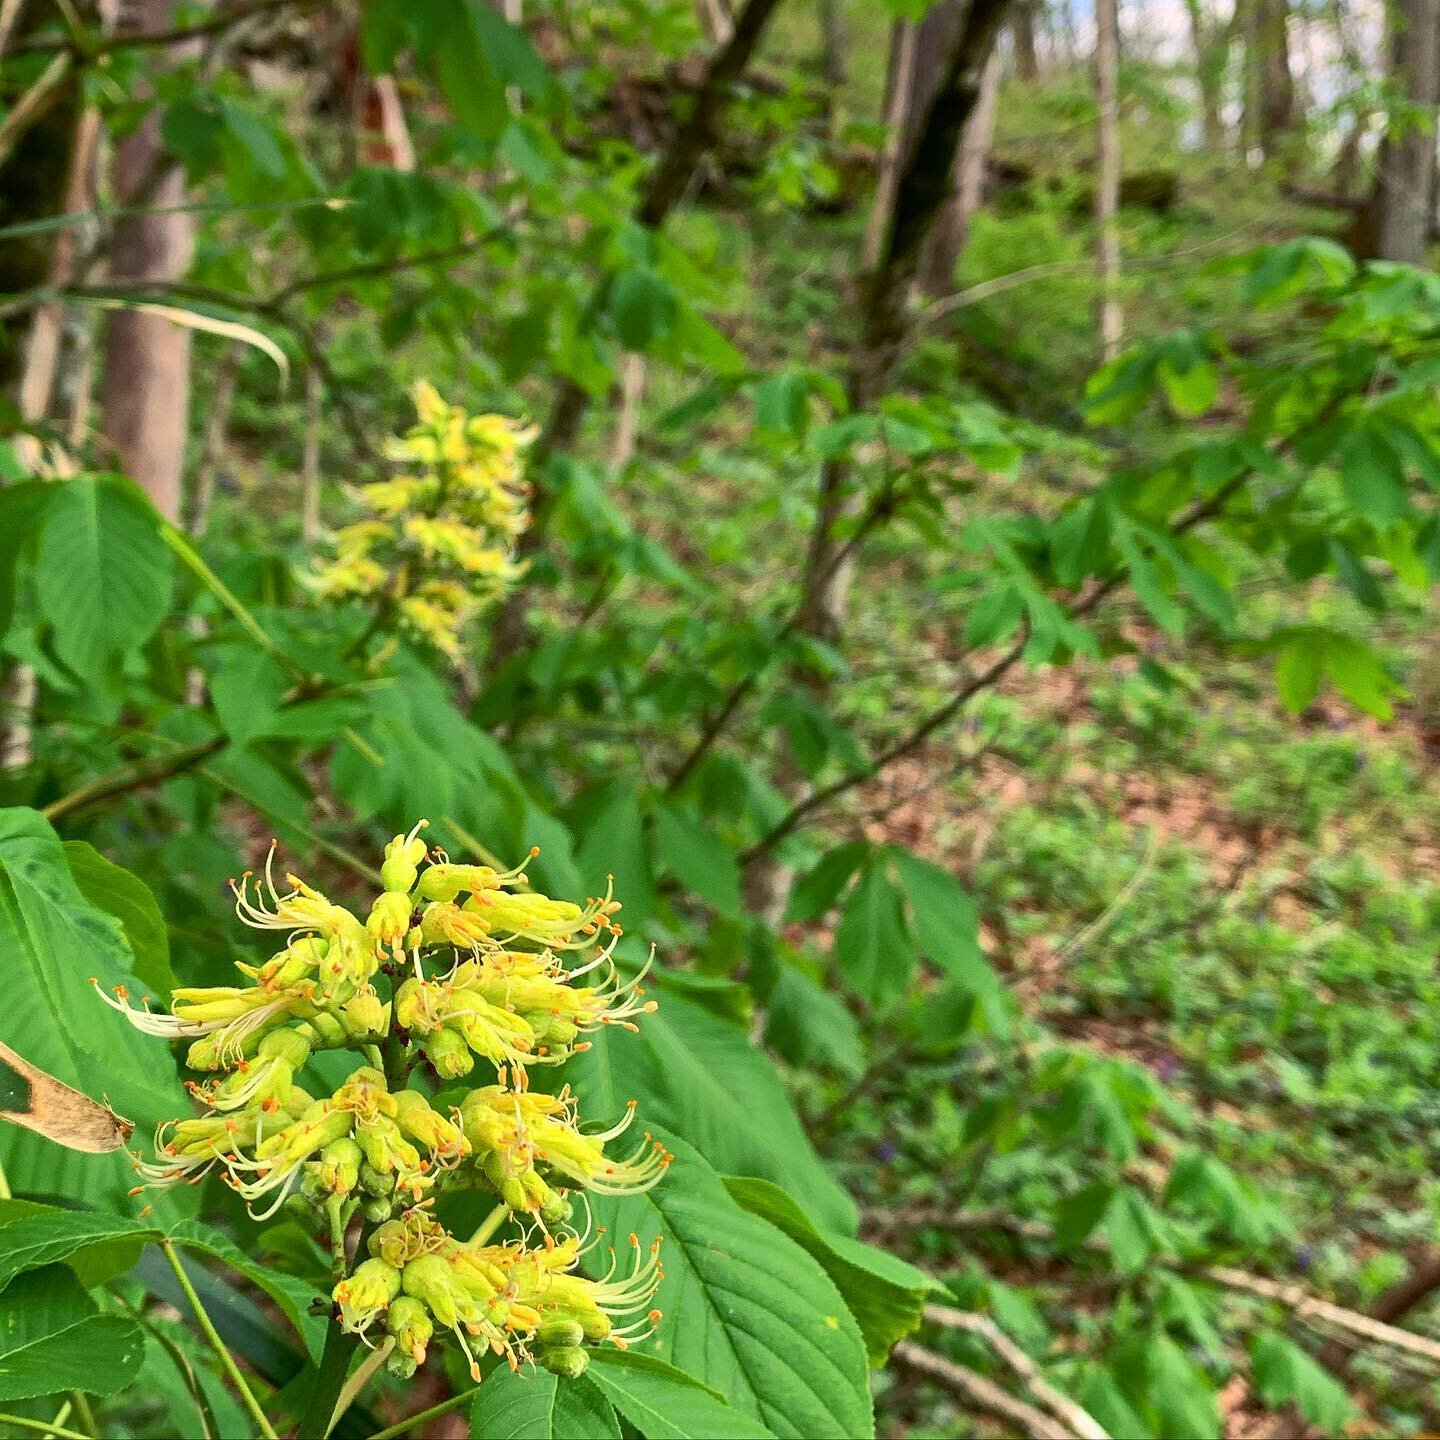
(1022, 37)
(145, 396)
(1211, 49)
(1403, 199)
(1277, 85)
(832, 43)
(716, 20)
(1107, 180)
(897, 110)
(953, 228)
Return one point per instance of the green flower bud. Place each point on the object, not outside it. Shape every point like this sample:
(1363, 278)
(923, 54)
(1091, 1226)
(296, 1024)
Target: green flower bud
(429, 1278)
(363, 1016)
(287, 1045)
(391, 1242)
(448, 1053)
(410, 1323)
(338, 1168)
(376, 1182)
(378, 1208)
(570, 1362)
(362, 1295)
(400, 1365)
(561, 1332)
(398, 875)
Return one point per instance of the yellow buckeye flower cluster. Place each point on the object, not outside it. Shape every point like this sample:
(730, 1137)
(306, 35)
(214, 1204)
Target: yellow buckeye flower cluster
(438, 540)
(453, 966)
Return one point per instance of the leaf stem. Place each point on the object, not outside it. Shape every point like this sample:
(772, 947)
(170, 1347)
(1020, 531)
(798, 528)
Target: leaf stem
(46, 1427)
(490, 1224)
(434, 1412)
(227, 1361)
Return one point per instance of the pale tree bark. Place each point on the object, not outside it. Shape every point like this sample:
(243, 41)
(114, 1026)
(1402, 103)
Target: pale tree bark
(1022, 38)
(922, 188)
(1210, 37)
(1107, 177)
(145, 394)
(627, 423)
(1277, 109)
(953, 228)
(1403, 200)
(897, 107)
(716, 20)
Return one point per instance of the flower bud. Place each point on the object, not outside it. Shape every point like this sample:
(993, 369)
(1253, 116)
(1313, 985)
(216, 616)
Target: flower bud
(410, 1323)
(448, 1053)
(389, 919)
(338, 1168)
(429, 1278)
(445, 881)
(570, 1362)
(363, 1016)
(391, 1242)
(401, 1365)
(561, 1332)
(377, 1209)
(287, 1045)
(418, 1118)
(376, 1182)
(362, 1295)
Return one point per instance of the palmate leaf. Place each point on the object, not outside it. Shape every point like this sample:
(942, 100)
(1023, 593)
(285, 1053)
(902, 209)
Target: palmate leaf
(664, 1404)
(540, 1406)
(746, 1310)
(700, 1075)
(53, 940)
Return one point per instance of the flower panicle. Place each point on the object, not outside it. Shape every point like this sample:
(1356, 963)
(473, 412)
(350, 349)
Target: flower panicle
(453, 966)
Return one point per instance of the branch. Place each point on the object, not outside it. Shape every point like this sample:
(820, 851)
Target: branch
(173, 35)
(980, 1391)
(1060, 1406)
(34, 104)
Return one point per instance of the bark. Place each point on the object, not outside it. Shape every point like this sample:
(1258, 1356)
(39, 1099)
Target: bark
(1022, 37)
(953, 227)
(716, 20)
(145, 396)
(1276, 84)
(922, 190)
(832, 42)
(1211, 51)
(897, 107)
(627, 423)
(1403, 199)
(1107, 180)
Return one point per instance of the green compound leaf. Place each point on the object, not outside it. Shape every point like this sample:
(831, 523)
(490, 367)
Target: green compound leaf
(540, 1406)
(662, 1403)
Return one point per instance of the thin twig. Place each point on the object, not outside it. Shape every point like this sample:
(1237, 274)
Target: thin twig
(222, 1353)
(433, 1413)
(34, 103)
(1061, 1406)
(46, 1427)
(975, 1388)
(172, 35)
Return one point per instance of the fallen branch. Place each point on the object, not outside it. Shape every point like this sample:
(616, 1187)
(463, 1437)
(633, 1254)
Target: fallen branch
(1061, 1406)
(1299, 1301)
(980, 1391)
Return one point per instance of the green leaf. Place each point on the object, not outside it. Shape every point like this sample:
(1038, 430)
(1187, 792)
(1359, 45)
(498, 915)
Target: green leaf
(103, 573)
(1179, 1392)
(52, 1340)
(782, 403)
(747, 1311)
(98, 1246)
(509, 51)
(817, 890)
(946, 920)
(1360, 675)
(1077, 1215)
(662, 1403)
(247, 687)
(696, 858)
(1132, 1229)
(808, 1025)
(872, 944)
(885, 1294)
(700, 1075)
(53, 940)
(1297, 672)
(614, 845)
(129, 899)
(1187, 375)
(643, 306)
(540, 1406)
(1372, 475)
(21, 507)
(1285, 1375)
(467, 77)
